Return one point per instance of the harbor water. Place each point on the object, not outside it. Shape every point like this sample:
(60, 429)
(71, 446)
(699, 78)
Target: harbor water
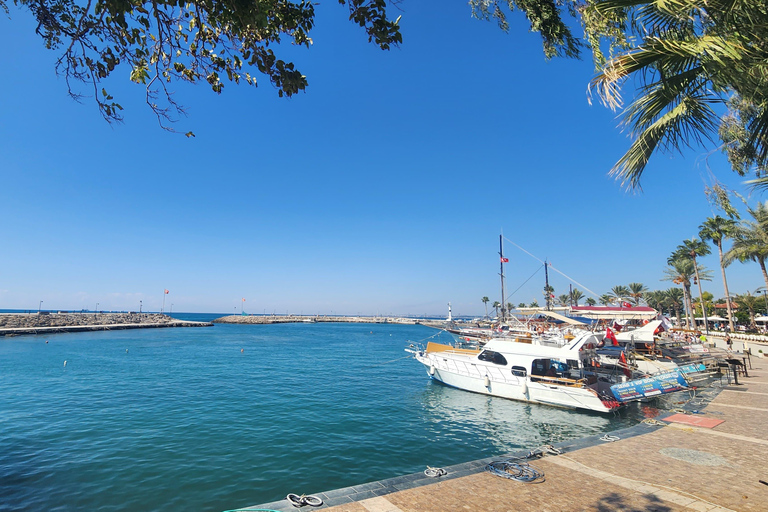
(216, 418)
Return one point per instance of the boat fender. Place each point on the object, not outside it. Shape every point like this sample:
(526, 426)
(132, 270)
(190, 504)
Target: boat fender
(431, 371)
(487, 382)
(525, 387)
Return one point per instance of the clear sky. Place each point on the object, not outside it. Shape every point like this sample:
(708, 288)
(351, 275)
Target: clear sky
(381, 189)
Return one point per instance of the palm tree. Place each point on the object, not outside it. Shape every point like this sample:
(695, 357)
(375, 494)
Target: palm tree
(688, 56)
(605, 299)
(521, 305)
(674, 299)
(748, 302)
(564, 299)
(682, 270)
(636, 292)
(496, 305)
(486, 300)
(751, 240)
(619, 292)
(696, 248)
(576, 296)
(590, 301)
(654, 299)
(717, 229)
(533, 304)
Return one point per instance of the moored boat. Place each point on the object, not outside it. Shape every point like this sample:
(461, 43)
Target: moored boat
(558, 376)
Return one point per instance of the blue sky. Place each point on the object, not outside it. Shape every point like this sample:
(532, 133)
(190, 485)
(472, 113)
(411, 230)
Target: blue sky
(381, 189)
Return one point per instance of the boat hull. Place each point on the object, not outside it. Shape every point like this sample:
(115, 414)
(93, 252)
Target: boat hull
(495, 381)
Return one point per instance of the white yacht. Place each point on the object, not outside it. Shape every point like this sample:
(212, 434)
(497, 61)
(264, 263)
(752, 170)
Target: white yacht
(529, 372)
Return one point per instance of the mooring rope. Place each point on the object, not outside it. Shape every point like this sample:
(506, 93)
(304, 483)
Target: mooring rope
(435, 472)
(304, 499)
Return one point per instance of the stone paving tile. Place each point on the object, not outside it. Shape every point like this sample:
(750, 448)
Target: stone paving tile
(726, 485)
(349, 507)
(741, 421)
(746, 399)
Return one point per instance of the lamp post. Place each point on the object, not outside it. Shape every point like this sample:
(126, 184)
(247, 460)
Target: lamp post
(141, 304)
(39, 307)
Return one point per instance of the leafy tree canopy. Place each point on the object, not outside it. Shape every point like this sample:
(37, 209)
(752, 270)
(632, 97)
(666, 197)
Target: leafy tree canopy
(163, 41)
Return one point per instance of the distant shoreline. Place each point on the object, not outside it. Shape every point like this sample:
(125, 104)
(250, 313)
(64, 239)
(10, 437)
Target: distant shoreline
(297, 319)
(15, 324)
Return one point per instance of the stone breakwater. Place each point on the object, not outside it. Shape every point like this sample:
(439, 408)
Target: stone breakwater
(280, 319)
(39, 323)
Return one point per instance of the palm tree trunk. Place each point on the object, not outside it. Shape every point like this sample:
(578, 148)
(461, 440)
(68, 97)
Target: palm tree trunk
(725, 287)
(688, 304)
(765, 274)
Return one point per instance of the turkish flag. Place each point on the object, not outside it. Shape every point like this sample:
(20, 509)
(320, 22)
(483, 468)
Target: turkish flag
(610, 336)
(624, 365)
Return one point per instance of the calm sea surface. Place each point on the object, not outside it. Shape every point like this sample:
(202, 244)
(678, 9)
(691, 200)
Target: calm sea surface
(216, 418)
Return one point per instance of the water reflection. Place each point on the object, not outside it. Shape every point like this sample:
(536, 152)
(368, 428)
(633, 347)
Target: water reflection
(506, 424)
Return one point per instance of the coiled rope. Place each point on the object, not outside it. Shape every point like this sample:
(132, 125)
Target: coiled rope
(609, 438)
(519, 471)
(435, 472)
(304, 499)
(653, 423)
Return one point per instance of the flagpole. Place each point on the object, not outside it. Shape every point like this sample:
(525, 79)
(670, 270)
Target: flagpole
(163, 308)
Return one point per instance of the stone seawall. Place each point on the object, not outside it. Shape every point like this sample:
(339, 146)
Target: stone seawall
(39, 323)
(280, 319)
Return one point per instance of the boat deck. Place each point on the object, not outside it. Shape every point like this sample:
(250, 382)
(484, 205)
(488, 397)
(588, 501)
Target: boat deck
(670, 467)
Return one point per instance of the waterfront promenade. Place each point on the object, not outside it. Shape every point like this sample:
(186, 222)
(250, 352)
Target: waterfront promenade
(668, 467)
(14, 324)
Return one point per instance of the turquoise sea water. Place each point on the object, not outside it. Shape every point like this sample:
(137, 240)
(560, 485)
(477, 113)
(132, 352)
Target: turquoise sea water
(215, 418)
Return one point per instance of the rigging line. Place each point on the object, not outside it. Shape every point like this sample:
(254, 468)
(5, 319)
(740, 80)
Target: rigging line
(553, 268)
(575, 281)
(518, 288)
(526, 252)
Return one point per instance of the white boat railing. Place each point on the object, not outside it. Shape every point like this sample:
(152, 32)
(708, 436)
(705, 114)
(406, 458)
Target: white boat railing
(468, 369)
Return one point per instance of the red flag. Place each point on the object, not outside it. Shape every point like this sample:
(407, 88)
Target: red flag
(610, 336)
(616, 326)
(243, 300)
(505, 260)
(624, 365)
(167, 292)
(626, 305)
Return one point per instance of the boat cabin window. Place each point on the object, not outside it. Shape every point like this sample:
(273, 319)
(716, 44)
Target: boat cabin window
(572, 363)
(540, 367)
(492, 357)
(519, 371)
(548, 367)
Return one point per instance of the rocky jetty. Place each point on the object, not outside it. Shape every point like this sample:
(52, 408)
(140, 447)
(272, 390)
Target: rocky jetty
(33, 323)
(280, 319)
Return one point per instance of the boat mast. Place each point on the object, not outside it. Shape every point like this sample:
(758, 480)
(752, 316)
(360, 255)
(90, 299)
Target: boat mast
(502, 259)
(547, 294)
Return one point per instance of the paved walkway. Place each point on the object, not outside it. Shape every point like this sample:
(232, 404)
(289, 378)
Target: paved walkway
(669, 468)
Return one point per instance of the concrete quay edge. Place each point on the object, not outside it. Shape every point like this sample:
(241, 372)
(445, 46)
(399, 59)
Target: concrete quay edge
(670, 468)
